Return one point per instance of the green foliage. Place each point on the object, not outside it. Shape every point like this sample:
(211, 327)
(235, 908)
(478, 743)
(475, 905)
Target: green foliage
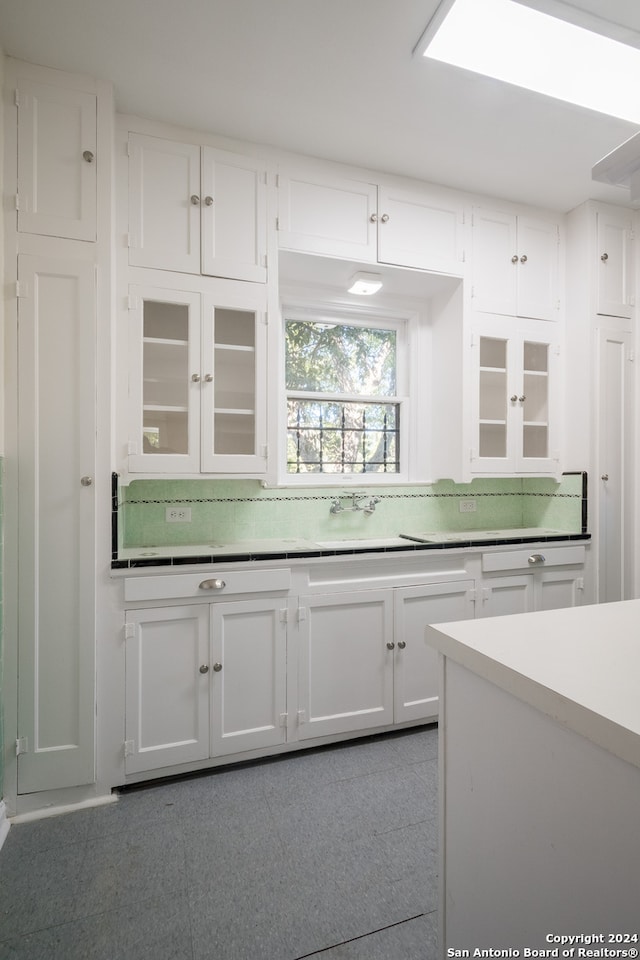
(340, 358)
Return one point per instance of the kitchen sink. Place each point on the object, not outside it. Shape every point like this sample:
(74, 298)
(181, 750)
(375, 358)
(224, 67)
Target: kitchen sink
(363, 543)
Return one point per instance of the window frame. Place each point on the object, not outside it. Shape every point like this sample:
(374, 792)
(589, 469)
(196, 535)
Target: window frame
(404, 323)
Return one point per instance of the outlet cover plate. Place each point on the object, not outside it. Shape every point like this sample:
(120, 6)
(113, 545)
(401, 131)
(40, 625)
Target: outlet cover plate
(178, 515)
(467, 506)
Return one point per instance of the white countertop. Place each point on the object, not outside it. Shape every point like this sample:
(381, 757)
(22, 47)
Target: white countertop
(580, 666)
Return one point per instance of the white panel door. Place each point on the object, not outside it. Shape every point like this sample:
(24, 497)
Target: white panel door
(614, 264)
(234, 216)
(495, 262)
(56, 516)
(416, 662)
(345, 663)
(504, 595)
(56, 161)
(164, 204)
(614, 457)
(537, 269)
(419, 230)
(167, 692)
(331, 216)
(557, 589)
(248, 675)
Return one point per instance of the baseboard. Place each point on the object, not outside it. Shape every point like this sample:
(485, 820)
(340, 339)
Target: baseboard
(4, 823)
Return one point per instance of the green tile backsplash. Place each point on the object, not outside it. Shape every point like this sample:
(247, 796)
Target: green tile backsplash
(224, 511)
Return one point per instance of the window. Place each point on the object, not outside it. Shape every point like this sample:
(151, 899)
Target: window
(344, 406)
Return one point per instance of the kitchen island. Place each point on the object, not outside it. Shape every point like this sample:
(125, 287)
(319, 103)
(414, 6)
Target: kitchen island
(540, 781)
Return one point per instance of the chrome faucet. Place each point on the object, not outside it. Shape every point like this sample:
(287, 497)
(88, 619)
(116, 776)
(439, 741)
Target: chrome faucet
(356, 505)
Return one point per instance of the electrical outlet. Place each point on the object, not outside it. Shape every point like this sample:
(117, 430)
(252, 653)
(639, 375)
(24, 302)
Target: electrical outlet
(178, 515)
(467, 506)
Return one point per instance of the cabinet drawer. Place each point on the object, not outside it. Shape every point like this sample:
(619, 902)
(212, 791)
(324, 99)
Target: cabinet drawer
(519, 559)
(206, 585)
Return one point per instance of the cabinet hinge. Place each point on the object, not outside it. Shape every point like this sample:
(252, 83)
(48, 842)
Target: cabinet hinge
(473, 595)
(302, 614)
(265, 261)
(16, 97)
(631, 355)
(284, 615)
(129, 748)
(632, 234)
(129, 240)
(129, 631)
(277, 223)
(22, 745)
(265, 450)
(283, 719)
(485, 593)
(132, 302)
(473, 292)
(632, 301)
(580, 583)
(132, 448)
(302, 717)
(17, 201)
(20, 291)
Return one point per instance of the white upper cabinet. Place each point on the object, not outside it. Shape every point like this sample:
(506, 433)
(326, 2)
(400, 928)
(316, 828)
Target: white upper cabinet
(56, 161)
(197, 382)
(515, 265)
(614, 235)
(355, 220)
(196, 210)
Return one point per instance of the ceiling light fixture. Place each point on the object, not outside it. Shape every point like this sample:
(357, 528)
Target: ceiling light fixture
(512, 42)
(364, 284)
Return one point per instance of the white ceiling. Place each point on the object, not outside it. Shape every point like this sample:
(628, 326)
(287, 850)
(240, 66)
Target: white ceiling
(330, 78)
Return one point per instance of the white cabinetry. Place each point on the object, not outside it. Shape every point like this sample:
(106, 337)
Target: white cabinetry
(204, 680)
(345, 679)
(56, 517)
(355, 220)
(614, 235)
(515, 372)
(196, 209)
(197, 384)
(554, 579)
(515, 265)
(56, 160)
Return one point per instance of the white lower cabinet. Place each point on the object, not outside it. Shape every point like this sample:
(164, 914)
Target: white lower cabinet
(364, 661)
(542, 588)
(203, 680)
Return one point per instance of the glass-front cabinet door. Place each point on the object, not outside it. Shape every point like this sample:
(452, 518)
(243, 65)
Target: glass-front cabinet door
(197, 381)
(234, 380)
(164, 380)
(515, 384)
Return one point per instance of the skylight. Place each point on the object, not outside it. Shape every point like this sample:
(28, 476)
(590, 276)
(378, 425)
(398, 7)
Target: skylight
(514, 43)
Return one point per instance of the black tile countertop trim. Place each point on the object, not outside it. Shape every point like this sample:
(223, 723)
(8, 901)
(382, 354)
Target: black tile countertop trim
(136, 564)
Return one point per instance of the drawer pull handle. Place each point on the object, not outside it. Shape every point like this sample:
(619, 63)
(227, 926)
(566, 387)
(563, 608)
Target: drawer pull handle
(213, 585)
(536, 558)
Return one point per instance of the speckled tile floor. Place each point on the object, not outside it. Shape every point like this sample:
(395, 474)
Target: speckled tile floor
(330, 853)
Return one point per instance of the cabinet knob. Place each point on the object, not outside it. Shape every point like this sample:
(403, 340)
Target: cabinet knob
(384, 217)
(373, 218)
(204, 668)
(86, 481)
(208, 201)
(514, 398)
(209, 378)
(524, 258)
(195, 377)
(195, 199)
(514, 258)
(213, 585)
(536, 558)
(604, 257)
(390, 645)
(522, 398)
(605, 476)
(88, 156)
(217, 667)
(402, 644)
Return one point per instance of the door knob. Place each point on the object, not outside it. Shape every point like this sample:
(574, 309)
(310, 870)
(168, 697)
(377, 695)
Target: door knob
(86, 481)
(402, 644)
(217, 667)
(204, 668)
(604, 257)
(390, 645)
(208, 201)
(195, 199)
(88, 156)
(524, 258)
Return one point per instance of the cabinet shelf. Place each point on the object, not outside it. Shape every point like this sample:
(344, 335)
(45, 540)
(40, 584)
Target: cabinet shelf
(164, 408)
(236, 347)
(236, 412)
(493, 370)
(165, 342)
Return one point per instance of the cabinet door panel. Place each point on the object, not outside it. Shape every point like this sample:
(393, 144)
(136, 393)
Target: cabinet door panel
(164, 221)
(56, 184)
(614, 265)
(416, 664)
(421, 231)
(494, 271)
(332, 217)
(56, 516)
(538, 275)
(505, 595)
(167, 702)
(556, 590)
(234, 221)
(249, 691)
(346, 669)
